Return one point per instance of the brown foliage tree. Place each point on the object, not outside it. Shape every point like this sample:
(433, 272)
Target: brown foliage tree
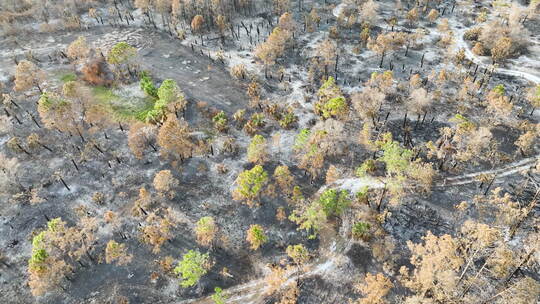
(28, 75)
(139, 138)
(164, 182)
(143, 202)
(156, 229)
(197, 23)
(117, 253)
(96, 72)
(368, 102)
(174, 139)
(436, 264)
(419, 101)
(375, 288)
(78, 49)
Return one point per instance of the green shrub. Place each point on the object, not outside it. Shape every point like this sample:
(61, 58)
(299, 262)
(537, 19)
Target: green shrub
(121, 53)
(499, 89)
(362, 194)
(334, 202)
(334, 107)
(39, 254)
(220, 121)
(311, 219)
(367, 166)
(298, 253)
(396, 158)
(360, 230)
(288, 120)
(218, 297)
(331, 102)
(147, 85)
(257, 150)
(256, 236)
(301, 139)
(67, 77)
(257, 120)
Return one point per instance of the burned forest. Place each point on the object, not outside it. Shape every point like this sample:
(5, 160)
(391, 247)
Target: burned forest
(270, 151)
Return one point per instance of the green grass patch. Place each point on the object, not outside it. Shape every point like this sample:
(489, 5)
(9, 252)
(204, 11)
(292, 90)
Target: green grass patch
(133, 110)
(104, 95)
(123, 108)
(66, 77)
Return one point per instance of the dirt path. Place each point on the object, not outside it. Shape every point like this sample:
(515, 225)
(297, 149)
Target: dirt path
(460, 43)
(509, 169)
(515, 72)
(254, 292)
(353, 184)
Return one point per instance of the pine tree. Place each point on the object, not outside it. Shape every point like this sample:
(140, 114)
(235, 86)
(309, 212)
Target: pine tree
(206, 230)
(256, 236)
(257, 151)
(28, 75)
(117, 252)
(192, 267)
(375, 288)
(250, 183)
(298, 253)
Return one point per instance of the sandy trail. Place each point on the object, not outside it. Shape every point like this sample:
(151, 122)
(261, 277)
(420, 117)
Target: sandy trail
(526, 74)
(254, 292)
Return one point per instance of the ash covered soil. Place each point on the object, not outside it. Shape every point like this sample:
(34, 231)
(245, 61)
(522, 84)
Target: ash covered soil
(411, 159)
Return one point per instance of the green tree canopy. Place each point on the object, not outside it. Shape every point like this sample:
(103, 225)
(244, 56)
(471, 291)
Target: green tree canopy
(167, 93)
(220, 121)
(311, 219)
(250, 183)
(192, 267)
(331, 102)
(121, 53)
(396, 158)
(334, 202)
(256, 236)
(218, 296)
(147, 85)
(361, 230)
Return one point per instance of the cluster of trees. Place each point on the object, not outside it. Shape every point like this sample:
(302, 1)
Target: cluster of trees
(59, 249)
(168, 99)
(501, 38)
(463, 142)
(16, 13)
(481, 262)
(277, 42)
(487, 260)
